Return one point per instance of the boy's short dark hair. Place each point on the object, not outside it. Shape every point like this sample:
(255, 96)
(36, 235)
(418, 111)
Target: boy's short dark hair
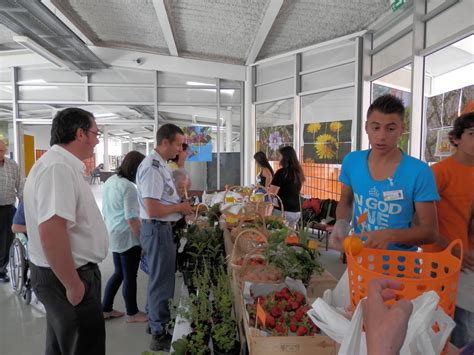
(387, 104)
(66, 122)
(169, 132)
(460, 124)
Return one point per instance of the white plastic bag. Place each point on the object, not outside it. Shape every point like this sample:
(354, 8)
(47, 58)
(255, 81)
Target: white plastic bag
(420, 338)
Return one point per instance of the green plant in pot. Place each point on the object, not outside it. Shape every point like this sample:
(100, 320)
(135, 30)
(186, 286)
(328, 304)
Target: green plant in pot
(224, 330)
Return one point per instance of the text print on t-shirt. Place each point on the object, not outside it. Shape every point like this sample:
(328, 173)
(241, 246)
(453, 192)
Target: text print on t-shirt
(378, 210)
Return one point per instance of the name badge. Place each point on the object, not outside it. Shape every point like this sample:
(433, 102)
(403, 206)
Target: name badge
(394, 195)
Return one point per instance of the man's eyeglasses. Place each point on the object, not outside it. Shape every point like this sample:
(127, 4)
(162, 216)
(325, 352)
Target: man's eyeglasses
(98, 134)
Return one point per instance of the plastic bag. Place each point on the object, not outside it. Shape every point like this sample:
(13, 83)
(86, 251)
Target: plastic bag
(420, 338)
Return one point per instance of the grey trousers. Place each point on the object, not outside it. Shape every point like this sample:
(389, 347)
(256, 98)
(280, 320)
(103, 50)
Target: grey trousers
(160, 249)
(6, 235)
(71, 330)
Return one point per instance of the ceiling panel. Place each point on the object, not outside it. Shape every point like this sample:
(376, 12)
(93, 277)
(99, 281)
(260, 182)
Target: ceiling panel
(216, 30)
(302, 23)
(117, 23)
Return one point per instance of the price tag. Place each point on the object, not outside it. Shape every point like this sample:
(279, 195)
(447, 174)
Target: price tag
(261, 316)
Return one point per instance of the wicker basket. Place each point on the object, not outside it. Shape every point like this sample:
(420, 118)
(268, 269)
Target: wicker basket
(200, 223)
(246, 242)
(258, 273)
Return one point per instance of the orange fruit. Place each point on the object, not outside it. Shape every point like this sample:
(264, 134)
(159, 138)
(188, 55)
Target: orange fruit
(353, 244)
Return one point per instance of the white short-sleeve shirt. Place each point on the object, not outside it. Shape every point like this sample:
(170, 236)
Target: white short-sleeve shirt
(155, 180)
(56, 186)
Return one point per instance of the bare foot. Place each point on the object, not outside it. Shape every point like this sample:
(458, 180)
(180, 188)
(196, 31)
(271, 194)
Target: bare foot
(140, 317)
(113, 314)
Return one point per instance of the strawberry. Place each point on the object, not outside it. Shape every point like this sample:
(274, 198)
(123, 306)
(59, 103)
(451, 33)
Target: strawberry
(280, 329)
(281, 319)
(293, 327)
(299, 314)
(270, 323)
(301, 331)
(294, 305)
(261, 300)
(299, 297)
(275, 311)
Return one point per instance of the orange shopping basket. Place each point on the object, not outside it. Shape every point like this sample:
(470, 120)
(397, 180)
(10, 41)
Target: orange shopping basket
(418, 272)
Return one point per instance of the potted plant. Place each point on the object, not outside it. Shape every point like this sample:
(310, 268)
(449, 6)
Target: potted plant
(224, 330)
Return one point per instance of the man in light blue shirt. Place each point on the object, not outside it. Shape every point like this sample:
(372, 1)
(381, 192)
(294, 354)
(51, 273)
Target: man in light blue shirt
(387, 184)
(160, 209)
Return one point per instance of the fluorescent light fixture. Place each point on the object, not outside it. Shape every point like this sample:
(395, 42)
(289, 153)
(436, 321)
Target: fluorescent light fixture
(195, 83)
(41, 51)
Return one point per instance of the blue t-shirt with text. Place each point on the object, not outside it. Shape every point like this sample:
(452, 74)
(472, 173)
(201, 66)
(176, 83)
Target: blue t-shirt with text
(389, 202)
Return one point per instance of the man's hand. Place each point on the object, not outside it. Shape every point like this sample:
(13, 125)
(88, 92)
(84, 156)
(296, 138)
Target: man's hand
(468, 260)
(75, 294)
(185, 208)
(379, 239)
(385, 326)
(339, 233)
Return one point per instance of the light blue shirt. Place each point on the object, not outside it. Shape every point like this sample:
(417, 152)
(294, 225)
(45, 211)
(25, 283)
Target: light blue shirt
(155, 180)
(389, 202)
(120, 203)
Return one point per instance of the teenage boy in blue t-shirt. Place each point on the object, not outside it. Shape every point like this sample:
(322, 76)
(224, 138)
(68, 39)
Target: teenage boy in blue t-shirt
(387, 183)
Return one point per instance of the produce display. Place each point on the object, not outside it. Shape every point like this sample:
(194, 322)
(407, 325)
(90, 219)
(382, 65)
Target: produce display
(283, 313)
(259, 250)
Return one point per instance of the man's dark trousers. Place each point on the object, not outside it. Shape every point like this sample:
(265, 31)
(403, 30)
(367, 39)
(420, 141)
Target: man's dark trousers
(71, 330)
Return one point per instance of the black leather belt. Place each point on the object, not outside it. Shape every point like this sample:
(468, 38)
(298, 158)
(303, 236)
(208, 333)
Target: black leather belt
(88, 266)
(155, 221)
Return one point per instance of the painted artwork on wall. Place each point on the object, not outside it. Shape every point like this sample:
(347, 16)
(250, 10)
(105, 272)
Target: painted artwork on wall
(326, 142)
(199, 140)
(441, 111)
(270, 139)
(4, 132)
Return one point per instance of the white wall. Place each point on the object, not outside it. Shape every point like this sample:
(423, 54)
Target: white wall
(42, 134)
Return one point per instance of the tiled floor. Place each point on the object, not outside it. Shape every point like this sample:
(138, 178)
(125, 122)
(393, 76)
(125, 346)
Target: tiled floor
(23, 328)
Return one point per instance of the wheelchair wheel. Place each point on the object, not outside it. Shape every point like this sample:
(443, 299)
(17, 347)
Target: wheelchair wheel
(17, 265)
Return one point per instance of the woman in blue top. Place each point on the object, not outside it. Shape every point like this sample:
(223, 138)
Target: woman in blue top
(121, 214)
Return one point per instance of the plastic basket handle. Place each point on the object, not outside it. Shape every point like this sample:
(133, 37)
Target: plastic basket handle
(455, 243)
(197, 210)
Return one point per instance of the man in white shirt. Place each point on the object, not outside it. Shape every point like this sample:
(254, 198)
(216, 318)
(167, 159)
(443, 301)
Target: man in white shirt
(11, 188)
(67, 238)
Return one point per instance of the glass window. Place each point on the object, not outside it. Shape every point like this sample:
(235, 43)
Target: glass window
(344, 74)
(397, 83)
(450, 94)
(6, 92)
(120, 94)
(393, 54)
(275, 90)
(326, 126)
(230, 96)
(230, 153)
(275, 128)
(51, 93)
(277, 69)
(172, 95)
(39, 75)
(318, 58)
(122, 76)
(184, 80)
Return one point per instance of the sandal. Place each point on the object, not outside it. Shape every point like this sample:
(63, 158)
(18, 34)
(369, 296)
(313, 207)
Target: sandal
(113, 314)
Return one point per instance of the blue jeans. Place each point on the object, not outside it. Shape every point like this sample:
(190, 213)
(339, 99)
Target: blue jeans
(463, 333)
(160, 249)
(126, 267)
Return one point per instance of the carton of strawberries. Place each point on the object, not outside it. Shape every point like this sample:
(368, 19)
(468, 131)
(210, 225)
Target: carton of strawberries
(279, 310)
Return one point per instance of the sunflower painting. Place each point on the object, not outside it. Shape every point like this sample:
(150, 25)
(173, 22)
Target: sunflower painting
(327, 142)
(270, 139)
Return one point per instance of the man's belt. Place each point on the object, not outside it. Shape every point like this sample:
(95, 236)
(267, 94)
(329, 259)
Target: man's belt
(155, 221)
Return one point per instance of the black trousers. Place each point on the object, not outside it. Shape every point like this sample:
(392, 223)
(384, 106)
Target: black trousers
(6, 235)
(71, 330)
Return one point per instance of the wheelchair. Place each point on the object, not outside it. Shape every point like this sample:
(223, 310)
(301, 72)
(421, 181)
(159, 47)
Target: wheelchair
(19, 268)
